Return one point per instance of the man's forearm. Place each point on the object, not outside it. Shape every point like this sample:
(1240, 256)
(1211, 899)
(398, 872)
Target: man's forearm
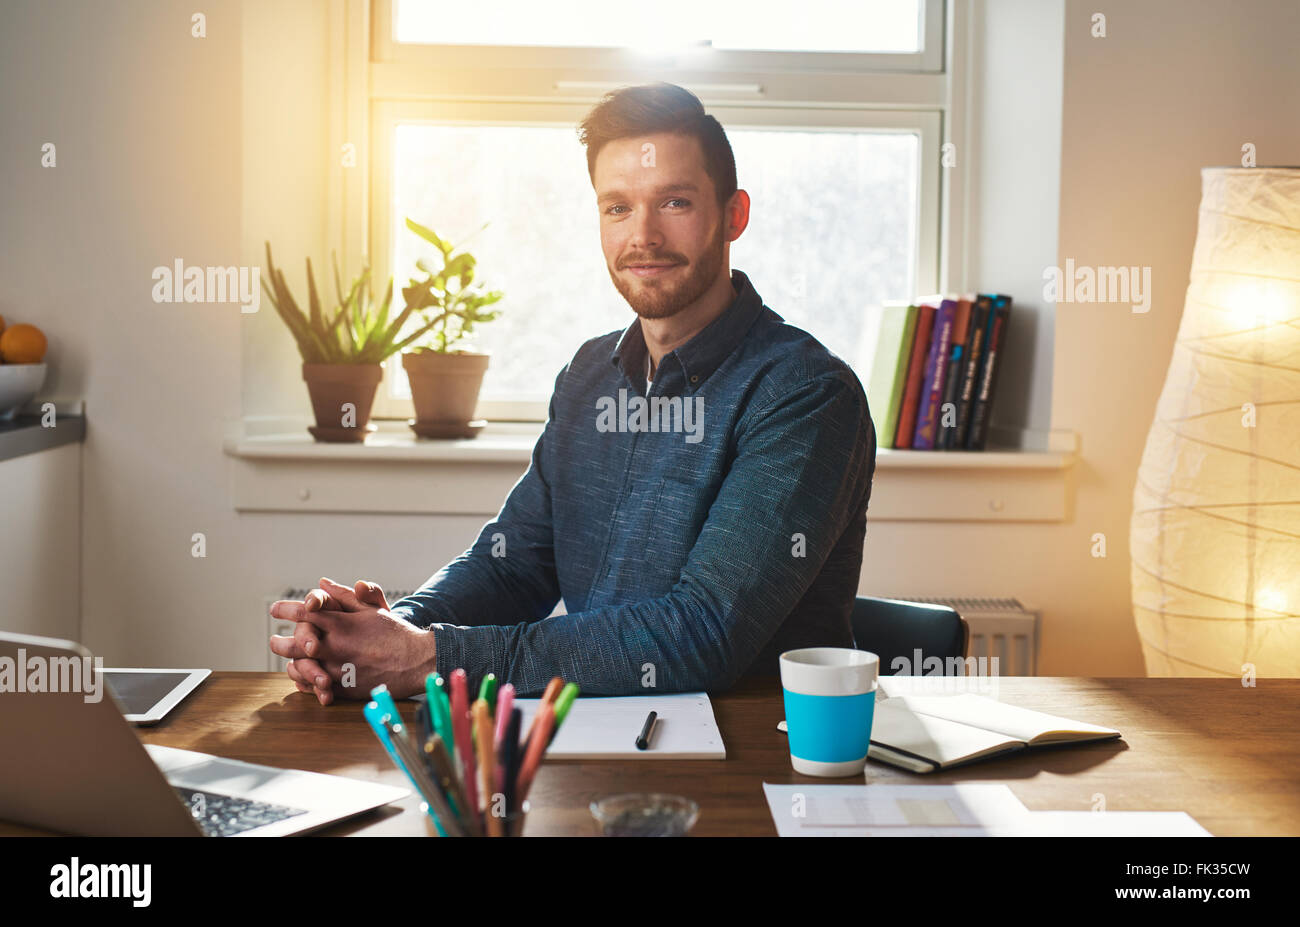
(508, 574)
(479, 589)
(669, 644)
(703, 635)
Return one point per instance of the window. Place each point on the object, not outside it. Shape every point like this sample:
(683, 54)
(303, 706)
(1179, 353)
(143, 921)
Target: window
(859, 26)
(836, 127)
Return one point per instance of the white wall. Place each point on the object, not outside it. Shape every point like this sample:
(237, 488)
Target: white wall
(40, 544)
(1176, 85)
(1015, 75)
(147, 128)
(284, 192)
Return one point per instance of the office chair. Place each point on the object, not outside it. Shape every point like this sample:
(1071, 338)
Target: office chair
(892, 628)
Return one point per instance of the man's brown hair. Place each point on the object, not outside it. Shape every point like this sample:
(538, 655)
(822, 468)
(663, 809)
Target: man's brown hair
(660, 107)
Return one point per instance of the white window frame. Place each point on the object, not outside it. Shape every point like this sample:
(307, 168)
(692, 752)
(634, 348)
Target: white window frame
(376, 84)
(475, 57)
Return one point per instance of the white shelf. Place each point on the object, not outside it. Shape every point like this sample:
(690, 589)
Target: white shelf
(278, 467)
(890, 459)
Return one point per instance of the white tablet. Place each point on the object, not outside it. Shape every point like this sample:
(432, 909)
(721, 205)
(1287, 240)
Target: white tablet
(146, 695)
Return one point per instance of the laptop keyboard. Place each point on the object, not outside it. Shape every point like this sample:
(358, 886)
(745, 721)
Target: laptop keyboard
(225, 815)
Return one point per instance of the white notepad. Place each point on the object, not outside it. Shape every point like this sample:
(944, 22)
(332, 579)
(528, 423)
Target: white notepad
(1103, 824)
(958, 810)
(607, 728)
(882, 810)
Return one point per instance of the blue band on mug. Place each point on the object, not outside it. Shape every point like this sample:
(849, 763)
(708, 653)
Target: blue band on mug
(829, 728)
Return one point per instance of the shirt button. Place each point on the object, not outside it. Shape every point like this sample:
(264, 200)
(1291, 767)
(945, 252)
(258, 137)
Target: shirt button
(695, 379)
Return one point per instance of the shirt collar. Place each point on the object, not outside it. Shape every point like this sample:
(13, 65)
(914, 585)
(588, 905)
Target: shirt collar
(704, 353)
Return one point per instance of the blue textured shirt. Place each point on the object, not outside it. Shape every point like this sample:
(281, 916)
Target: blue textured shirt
(693, 534)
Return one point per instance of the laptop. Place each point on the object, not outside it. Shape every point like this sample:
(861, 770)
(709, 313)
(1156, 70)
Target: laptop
(74, 764)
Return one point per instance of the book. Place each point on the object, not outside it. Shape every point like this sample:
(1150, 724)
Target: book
(923, 733)
(889, 369)
(953, 378)
(971, 368)
(936, 366)
(981, 408)
(915, 374)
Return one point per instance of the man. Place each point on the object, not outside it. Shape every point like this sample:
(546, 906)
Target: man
(697, 498)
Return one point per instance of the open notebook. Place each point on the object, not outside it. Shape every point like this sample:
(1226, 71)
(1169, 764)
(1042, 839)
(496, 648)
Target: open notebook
(925, 733)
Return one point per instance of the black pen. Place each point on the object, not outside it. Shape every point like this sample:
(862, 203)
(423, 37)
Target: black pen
(511, 755)
(422, 720)
(643, 742)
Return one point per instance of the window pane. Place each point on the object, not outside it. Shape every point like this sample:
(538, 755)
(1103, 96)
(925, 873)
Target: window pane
(832, 226)
(832, 231)
(542, 247)
(812, 25)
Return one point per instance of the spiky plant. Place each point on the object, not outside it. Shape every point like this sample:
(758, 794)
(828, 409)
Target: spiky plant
(353, 331)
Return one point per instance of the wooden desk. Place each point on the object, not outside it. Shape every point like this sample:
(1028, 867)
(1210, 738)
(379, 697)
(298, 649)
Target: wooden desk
(1225, 754)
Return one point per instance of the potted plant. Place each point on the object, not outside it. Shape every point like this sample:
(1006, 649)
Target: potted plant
(445, 379)
(342, 348)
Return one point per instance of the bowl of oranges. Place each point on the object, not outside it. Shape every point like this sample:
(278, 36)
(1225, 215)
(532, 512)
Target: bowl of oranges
(22, 373)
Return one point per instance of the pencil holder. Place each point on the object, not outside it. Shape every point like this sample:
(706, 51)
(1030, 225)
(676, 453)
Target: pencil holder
(461, 756)
(512, 825)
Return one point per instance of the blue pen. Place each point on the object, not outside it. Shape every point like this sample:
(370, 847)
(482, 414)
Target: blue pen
(384, 698)
(381, 695)
(390, 715)
(376, 715)
(387, 706)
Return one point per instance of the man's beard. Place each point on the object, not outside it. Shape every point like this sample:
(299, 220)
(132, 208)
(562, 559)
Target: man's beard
(661, 297)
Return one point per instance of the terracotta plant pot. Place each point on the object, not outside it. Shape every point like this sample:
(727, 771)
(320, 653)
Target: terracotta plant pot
(341, 398)
(444, 389)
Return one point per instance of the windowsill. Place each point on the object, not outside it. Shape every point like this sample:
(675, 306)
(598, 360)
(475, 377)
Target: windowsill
(277, 467)
(287, 439)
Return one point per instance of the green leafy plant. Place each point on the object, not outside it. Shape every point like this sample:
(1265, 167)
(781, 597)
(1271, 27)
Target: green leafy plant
(353, 331)
(451, 312)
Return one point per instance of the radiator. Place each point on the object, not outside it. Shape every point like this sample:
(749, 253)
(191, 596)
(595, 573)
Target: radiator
(1001, 628)
(276, 663)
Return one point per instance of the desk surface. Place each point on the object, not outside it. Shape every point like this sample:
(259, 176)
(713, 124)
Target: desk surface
(1225, 754)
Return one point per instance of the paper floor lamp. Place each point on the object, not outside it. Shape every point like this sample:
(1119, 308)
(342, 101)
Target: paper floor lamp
(1215, 535)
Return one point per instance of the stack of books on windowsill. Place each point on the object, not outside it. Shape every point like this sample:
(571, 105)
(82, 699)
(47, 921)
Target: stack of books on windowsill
(934, 371)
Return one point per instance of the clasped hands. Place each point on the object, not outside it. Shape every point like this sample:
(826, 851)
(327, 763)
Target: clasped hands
(346, 642)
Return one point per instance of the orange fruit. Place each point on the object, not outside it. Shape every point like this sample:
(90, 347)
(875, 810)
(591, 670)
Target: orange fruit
(22, 344)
